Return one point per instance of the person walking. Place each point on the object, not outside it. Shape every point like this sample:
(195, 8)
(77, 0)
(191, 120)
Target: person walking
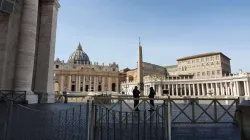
(65, 96)
(136, 95)
(151, 96)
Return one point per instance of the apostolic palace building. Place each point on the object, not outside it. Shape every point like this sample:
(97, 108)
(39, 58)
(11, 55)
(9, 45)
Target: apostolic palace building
(207, 74)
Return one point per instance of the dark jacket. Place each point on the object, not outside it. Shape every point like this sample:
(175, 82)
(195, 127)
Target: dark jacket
(136, 93)
(151, 94)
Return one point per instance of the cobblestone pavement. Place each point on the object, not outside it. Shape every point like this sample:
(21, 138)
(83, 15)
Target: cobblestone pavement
(63, 121)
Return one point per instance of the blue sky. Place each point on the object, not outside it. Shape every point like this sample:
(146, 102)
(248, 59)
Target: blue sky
(169, 29)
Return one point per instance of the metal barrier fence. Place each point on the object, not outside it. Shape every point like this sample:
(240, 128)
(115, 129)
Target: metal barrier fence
(108, 118)
(27, 123)
(119, 120)
(14, 96)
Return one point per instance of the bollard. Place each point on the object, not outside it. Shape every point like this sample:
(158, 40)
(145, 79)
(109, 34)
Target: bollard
(243, 111)
(7, 131)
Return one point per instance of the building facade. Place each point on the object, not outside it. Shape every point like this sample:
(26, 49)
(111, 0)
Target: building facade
(199, 75)
(79, 74)
(205, 65)
(27, 47)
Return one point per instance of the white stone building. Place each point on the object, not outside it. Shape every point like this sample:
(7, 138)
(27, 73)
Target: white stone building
(79, 74)
(199, 75)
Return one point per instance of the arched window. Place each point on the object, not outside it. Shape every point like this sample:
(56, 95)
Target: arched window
(113, 87)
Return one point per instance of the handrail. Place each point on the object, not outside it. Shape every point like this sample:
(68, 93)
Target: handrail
(166, 98)
(13, 95)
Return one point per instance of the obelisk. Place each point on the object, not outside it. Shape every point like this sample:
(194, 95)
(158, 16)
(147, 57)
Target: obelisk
(140, 69)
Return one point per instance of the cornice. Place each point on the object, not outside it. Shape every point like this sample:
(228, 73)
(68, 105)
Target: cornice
(55, 2)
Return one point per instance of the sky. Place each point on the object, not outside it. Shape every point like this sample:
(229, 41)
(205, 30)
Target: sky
(108, 30)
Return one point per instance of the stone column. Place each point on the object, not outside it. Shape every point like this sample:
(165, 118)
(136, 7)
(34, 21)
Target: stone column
(216, 89)
(62, 83)
(207, 87)
(194, 90)
(26, 51)
(226, 88)
(247, 87)
(69, 83)
(231, 89)
(117, 85)
(198, 87)
(4, 22)
(84, 83)
(160, 90)
(172, 89)
(109, 84)
(95, 83)
(44, 65)
(80, 82)
(185, 88)
(90, 83)
(176, 89)
(236, 88)
(189, 89)
(9, 41)
(221, 89)
(77, 83)
(202, 89)
(103, 84)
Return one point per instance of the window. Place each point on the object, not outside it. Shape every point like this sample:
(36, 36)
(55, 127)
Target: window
(113, 69)
(57, 66)
(208, 73)
(217, 57)
(218, 72)
(203, 73)
(202, 59)
(198, 74)
(213, 73)
(197, 60)
(193, 61)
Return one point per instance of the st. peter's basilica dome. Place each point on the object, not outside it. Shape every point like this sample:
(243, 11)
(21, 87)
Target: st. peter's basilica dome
(79, 56)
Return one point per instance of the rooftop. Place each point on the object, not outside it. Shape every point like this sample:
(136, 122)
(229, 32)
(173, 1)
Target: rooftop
(171, 66)
(202, 55)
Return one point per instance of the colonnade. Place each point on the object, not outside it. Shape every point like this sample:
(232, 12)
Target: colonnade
(88, 83)
(215, 88)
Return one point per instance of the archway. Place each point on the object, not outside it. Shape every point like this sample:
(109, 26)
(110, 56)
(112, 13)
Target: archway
(113, 87)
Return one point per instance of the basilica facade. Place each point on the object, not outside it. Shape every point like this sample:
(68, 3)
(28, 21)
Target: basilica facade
(79, 74)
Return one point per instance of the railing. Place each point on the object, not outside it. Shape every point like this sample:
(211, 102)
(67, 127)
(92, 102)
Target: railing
(14, 96)
(27, 122)
(168, 113)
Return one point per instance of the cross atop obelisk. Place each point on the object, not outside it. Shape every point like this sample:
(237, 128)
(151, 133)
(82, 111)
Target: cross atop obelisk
(140, 68)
